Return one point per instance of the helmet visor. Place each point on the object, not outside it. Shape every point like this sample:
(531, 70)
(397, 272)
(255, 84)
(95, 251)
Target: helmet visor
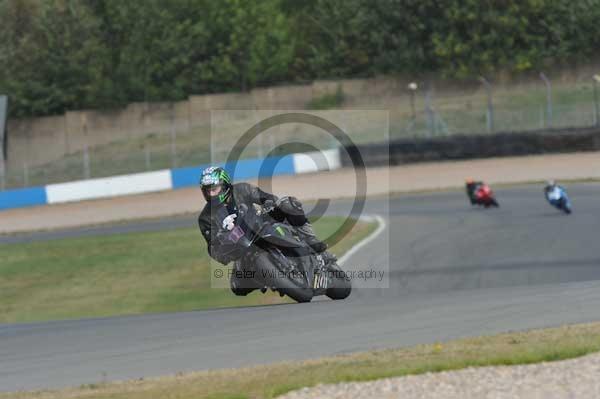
(212, 190)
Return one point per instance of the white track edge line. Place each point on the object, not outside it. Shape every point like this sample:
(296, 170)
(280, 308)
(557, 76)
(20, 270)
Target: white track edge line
(381, 226)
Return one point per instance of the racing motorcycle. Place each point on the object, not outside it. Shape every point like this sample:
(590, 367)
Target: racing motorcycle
(484, 196)
(271, 255)
(558, 198)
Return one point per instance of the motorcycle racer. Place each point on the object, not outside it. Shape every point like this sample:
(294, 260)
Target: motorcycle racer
(223, 196)
(480, 193)
(552, 191)
(557, 196)
(471, 187)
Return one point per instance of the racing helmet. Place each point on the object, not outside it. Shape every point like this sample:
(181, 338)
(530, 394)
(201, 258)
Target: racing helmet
(216, 185)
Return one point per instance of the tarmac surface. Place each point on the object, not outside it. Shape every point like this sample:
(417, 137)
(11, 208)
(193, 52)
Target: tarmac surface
(450, 270)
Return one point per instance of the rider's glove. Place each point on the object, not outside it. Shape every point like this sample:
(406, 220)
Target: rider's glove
(228, 222)
(268, 205)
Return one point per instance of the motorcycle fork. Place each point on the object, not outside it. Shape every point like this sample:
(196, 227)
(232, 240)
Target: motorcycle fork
(290, 265)
(320, 277)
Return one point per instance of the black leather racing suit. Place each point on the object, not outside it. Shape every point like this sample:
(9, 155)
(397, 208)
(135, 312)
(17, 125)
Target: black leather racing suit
(243, 193)
(471, 188)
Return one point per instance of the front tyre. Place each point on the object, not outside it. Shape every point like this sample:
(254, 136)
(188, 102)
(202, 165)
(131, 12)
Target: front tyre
(565, 206)
(272, 277)
(340, 285)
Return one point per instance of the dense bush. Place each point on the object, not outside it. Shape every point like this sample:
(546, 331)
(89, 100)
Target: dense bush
(70, 54)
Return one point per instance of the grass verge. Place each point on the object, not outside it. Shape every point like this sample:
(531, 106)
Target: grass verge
(123, 274)
(273, 380)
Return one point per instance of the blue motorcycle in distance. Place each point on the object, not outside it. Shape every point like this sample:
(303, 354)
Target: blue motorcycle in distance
(557, 197)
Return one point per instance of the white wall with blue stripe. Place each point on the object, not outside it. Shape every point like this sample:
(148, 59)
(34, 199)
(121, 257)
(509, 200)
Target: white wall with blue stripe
(167, 179)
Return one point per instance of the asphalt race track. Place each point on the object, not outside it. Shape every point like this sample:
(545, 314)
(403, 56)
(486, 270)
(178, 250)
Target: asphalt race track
(451, 271)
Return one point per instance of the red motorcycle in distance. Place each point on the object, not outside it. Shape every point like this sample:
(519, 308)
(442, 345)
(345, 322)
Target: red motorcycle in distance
(481, 194)
(485, 196)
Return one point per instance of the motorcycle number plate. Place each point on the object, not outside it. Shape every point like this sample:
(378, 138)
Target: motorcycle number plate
(236, 234)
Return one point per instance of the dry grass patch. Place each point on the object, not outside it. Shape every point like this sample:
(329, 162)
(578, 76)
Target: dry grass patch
(122, 274)
(273, 380)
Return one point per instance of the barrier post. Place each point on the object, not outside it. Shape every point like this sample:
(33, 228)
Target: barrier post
(596, 105)
(86, 152)
(412, 88)
(541, 116)
(147, 156)
(25, 174)
(429, 111)
(86, 163)
(3, 117)
(490, 105)
(173, 143)
(548, 99)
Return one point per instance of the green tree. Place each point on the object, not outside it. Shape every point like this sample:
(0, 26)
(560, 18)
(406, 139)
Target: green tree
(252, 46)
(486, 36)
(53, 60)
(57, 55)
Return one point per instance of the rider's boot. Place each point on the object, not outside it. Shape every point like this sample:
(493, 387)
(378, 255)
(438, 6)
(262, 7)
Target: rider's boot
(239, 285)
(309, 236)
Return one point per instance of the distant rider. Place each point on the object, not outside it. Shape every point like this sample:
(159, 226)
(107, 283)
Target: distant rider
(471, 187)
(553, 191)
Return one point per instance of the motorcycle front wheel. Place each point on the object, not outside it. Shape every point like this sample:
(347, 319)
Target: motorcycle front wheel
(274, 278)
(341, 286)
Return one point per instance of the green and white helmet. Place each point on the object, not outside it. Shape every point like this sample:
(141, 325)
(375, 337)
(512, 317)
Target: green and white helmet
(211, 178)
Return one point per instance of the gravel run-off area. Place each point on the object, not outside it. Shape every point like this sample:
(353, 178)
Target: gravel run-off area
(575, 378)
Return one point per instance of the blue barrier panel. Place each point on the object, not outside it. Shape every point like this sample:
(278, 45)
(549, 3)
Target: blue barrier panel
(245, 169)
(23, 197)
(186, 177)
(285, 166)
